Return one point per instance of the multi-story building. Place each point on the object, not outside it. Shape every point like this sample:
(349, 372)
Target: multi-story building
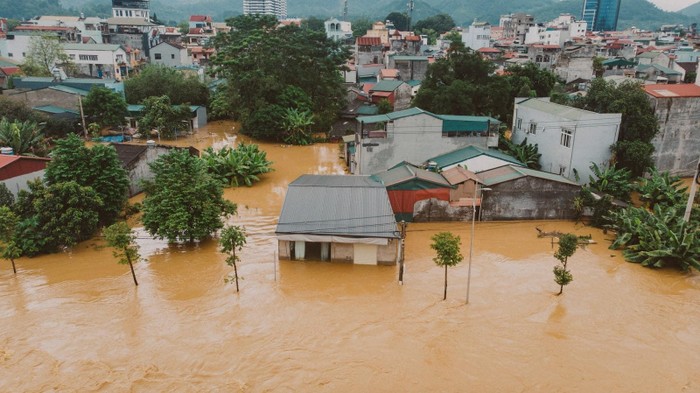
(266, 7)
(138, 9)
(515, 26)
(477, 36)
(601, 15)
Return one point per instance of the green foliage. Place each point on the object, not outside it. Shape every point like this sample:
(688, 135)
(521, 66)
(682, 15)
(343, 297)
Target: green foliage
(45, 51)
(297, 125)
(447, 253)
(526, 153)
(657, 238)
(262, 62)
(384, 106)
(232, 240)
(440, 23)
(183, 202)
(220, 104)
(17, 110)
(598, 68)
(399, 19)
(24, 137)
(611, 181)
(8, 248)
(314, 23)
(6, 196)
(240, 166)
(661, 188)
(120, 237)
(567, 247)
(159, 80)
(161, 115)
(105, 107)
(98, 168)
(690, 77)
(634, 155)
(360, 27)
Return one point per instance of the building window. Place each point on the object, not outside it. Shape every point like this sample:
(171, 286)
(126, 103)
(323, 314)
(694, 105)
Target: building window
(566, 135)
(9, 54)
(172, 56)
(518, 123)
(87, 57)
(533, 129)
(120, 58)
(157, 56)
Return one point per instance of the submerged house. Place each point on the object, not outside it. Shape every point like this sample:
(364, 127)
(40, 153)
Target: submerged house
(338, 218)
(407, 184)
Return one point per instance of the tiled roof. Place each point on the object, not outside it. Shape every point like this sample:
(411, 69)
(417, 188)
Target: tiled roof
(669, 91)
(200, 18)
(369, 41)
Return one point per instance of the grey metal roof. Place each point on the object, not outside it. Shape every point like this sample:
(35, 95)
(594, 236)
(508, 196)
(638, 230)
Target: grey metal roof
(512, 172)
(341, 205)
(564, 111)
(405, 172)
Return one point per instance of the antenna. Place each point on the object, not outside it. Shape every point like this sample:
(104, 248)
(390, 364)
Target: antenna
(345, 11)
(410, 14)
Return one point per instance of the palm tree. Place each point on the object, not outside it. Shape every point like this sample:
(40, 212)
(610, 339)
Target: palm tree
(297, 124)
(25, 138)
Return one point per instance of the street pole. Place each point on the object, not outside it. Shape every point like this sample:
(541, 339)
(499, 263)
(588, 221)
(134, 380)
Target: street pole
(82, 116)
(691, 197)
(471, 242)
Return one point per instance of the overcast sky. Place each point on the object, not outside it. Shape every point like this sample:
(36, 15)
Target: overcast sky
(671, 5)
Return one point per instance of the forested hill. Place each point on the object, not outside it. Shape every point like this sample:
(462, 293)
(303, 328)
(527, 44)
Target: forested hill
(639, 13)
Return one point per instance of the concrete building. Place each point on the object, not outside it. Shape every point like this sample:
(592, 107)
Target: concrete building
(398, 93)
(477, 35)
(338, 30)
(411, 68)
(277, 8)
(17, 171)
(515, 26)
(137, 9)
(547, 36)
(677, 145)
(97, 60)
(569, 139)
(369, 50)
(170, 55)
(415, 135)
(338, 218)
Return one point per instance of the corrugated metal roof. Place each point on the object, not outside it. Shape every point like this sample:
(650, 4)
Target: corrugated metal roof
(341, 205)
(449, 122)
(95, 47)
(405, 172)
(386, 85)
(70, 90)
(459, 175)
(564, 111)
(392, 116)
(54, 109)
(470, 152)
(511, 172)
(410, 58)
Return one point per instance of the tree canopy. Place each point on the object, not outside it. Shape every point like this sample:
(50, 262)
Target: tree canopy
(271, 68)
(45, 51)
(159, 80)
(159, 114)
(447, 253)
(105, 107)
(24, 137)
(183, 202)
(399, 19)
(440, 23)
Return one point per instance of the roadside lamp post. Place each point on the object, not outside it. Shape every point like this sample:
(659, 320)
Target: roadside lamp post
(477, 192)
(691, 196)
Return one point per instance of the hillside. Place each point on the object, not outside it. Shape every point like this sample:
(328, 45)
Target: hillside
(638, 13)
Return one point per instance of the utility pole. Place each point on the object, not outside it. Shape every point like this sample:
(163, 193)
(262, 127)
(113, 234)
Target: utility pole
(82, 116)
(693, 190)
(402, 225)
(410, 14)
(345, 11)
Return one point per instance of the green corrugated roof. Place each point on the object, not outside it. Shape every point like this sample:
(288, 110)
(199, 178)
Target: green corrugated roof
(405, 172)
(449, 122)
(414, 83)
(70, 90)
(392, 116)
(511, 172)
(367, 110)
(618, 62)
(469, 152)
(386, 85)
(648, 55)
(54, 109)
(410, 58)
(665, 70)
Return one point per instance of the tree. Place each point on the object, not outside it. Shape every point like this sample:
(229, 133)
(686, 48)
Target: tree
(98, 168)
(45, 52)
(183, 27)
(314, 23)
(6, 196)
(526, 153)
(232, 240)
(183, 202)
(384, 106)
(8, 247)
(360, 27)
(159, 80)
(598, 68)
(105, 107)
(159, 114)
(636, 156)
(297, 125)
(661, 188)
(440, 23)
(123, 240)
(234, 167)
(446, 246)
(399, 19)
(24, 137)
(567, 247)
(262, 62)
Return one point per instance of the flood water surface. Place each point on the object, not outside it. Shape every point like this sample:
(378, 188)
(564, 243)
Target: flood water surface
(75, 322)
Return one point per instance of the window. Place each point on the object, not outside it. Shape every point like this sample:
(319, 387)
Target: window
(157, 56)
(533, 129)
(88, 57)
(120, 58)
(72, 56)
(9, 54)
(518, 123)
(172, 56)
(566, 135)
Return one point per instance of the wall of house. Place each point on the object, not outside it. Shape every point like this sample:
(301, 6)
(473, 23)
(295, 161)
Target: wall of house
(170, 56)
(591, 138)
(463, 190)
(386, 255)
(414, 139)
(677, 145)
(410, 69)
(47, 97)
(140, 171)
(403, 96)
(429, 210)
(529, 198)
(18, 183)
(344, 252)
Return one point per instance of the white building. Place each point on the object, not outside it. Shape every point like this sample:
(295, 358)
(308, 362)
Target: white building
(477, 36)
(170, 55)
(137, 9)
(569, 139)
(577, 29)
(266, 7)
(546, 36)
(338, 30)
(97, 60)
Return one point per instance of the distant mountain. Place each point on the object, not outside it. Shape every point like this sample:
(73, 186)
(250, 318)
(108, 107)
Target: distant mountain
(639, 13)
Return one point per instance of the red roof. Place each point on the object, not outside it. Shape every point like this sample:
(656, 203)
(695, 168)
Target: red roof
(684, 90)
(413, 38)
(373, 41)
(489, 50)
(546, 46)
(196, 30)
(200, 18)
(13, 166)
(10, 70)
(44, 28)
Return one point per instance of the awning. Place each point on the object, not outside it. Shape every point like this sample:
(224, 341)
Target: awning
(332, 239)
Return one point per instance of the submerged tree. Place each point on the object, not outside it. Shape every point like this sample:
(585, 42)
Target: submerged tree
(123, 240)
(8, 247)
(24, 137)
(446, 246)
(105, 107)
(232, 241)
(567, 247)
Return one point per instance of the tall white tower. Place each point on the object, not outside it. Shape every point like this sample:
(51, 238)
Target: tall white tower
(138, 9)
(266, 7)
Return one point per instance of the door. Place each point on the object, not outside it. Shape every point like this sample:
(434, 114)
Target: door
(365, 254)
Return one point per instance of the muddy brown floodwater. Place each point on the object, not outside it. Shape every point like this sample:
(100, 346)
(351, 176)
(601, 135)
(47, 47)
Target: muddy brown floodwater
(74, 322)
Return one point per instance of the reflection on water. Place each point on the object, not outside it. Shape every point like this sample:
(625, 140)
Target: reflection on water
(75, 322)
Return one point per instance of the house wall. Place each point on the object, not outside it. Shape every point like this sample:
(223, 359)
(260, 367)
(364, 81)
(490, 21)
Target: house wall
(463, 190)
(592, 136)
(529, 198)
(17, 183)
(140, 171)
(677, 145)
(345, 252)
(47, 97)
(15, 46)
(170, 56)
(402, 97)
(410, 69)
(414, 139)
